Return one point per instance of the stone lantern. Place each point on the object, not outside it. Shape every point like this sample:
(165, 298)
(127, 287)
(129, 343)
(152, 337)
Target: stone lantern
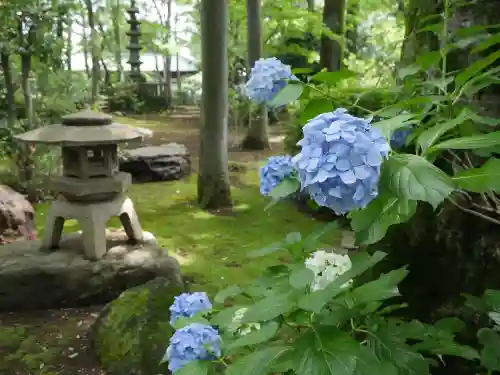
(91, 188)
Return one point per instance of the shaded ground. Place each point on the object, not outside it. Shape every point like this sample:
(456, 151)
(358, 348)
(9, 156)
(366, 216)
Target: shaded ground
(183, 127)
(211, 248)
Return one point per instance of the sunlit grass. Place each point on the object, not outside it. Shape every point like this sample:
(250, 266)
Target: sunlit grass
(212, 248)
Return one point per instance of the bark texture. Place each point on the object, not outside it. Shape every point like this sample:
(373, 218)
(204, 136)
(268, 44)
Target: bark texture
(213, 176)
(257, 137)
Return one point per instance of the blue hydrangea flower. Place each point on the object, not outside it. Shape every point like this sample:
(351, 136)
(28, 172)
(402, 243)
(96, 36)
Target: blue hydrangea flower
(188, 304)
(267, 78)
(274, 171)
(194, 342)
(339, 164)
(398, 138)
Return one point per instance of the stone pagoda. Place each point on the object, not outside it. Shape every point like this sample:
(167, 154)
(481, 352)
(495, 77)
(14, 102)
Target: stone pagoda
(134, 46)
(91, 188)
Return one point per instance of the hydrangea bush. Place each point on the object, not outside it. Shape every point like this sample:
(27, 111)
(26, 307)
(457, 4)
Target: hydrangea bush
(310, 316)
(325, 312)
(267, 78)
(276, 169)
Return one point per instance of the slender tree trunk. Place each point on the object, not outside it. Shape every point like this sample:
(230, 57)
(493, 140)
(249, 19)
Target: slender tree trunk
(331, 53)
(213, 176)
(168, 57)
(257, 137)
(311, 5)
(94, 38)
(116, 16)
(351, 39)
(9, 86)
(85, 44)
(69, 43)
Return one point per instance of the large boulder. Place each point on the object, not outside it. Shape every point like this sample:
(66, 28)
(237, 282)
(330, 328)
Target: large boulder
(132, 332)
(167, 162)
(16, 216)
(31, 279)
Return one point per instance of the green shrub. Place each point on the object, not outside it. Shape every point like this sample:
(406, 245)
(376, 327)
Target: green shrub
(360, 102)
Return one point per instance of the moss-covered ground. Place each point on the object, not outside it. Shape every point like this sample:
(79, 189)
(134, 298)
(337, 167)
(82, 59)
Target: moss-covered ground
(212, 248)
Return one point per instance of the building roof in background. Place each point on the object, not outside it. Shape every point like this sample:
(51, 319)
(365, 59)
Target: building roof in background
(151, 62)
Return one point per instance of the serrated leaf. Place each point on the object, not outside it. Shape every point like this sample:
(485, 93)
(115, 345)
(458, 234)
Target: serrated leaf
(315, 107)
(265, 333)
(184, 321)
(387, 127)
(430, 136)
(293, 238)
(194, 368)
(315, 301)
(283, 190)
(224, 318)
(487, 43)
(469, 143)
(412, 177)
(386, 286)
(371, 223)
(480, 180)
(389, 344)
(229, 292)
(326, 351)
(408, 71)
(269, 308)
(332, 78)
(301, 277)
(257, 363)
(288, 94)
(475, 68)
(277, 246)
(490, 354)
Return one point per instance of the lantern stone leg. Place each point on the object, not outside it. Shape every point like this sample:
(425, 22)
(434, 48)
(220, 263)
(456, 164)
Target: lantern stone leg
(92, 218)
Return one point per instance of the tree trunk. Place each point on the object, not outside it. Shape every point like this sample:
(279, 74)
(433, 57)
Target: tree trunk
(9, 86)
(168, 57)
(213, 176)
(351, 39)
(85, 44)
(95, 53)
(311, 5)
(331, 52)
(116, 17)
(69, 43)
(257, 137)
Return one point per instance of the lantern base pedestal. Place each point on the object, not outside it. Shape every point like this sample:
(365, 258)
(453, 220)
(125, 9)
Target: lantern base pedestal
(92, 218)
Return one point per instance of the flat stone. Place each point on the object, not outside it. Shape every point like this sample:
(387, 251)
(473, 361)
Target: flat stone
(31, 279)
(167, 162)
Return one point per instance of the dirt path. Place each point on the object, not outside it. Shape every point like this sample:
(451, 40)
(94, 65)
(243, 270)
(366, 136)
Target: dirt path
(56, 342)
(183, 127)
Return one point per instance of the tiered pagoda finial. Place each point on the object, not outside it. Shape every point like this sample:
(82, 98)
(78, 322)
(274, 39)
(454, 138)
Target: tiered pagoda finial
(134, 46)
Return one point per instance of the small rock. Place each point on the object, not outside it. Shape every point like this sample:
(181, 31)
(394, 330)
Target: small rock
(17, 216)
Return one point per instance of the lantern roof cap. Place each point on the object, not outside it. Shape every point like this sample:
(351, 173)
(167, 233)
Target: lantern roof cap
(84, 128)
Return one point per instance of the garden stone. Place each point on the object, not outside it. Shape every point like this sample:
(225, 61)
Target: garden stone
(31, 279)
(16, 216)
(132, 332)
(167, 162)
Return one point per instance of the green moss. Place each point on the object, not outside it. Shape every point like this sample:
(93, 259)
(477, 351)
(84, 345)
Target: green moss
(212, 247)
(132, 335)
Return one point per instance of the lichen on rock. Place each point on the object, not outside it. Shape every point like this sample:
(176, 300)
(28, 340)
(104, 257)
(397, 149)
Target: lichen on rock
(132, 332)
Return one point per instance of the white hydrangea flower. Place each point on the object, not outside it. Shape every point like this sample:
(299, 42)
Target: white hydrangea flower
(238, 328)
(327, 266)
